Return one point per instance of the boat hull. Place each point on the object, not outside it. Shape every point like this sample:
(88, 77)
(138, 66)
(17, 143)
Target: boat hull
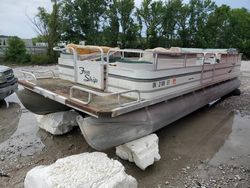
(39, 104)
(104, 133)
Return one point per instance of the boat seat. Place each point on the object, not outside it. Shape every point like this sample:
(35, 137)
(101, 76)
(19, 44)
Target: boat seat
(134, 64)
(90, 56)
(124, 60)
(83, 50)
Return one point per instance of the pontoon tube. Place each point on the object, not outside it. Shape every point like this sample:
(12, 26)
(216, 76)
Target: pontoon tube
(104, 133)
(39, 104)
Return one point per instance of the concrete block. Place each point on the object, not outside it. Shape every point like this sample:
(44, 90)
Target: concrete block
(58, 123)
(144, 151)
(86, 170)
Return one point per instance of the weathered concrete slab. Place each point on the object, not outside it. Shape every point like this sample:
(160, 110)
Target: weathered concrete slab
(86, 170)
(144, 151)
(58, 123)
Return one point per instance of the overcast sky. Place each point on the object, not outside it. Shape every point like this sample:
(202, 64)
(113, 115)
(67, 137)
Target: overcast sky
(13, 19)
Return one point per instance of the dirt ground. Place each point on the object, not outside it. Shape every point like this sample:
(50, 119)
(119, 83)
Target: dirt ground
(208, 148)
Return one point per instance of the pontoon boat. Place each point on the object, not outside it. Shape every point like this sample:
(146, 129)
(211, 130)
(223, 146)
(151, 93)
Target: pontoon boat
(125, 94)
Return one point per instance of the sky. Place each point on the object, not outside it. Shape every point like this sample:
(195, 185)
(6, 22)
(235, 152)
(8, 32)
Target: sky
(14, 14)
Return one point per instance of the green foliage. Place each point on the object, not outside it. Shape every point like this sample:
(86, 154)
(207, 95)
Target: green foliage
(38, 39)
(129, 30)
(175, 30)
(41, 59)
(81, 20)
(199, 24)
(111, 31)
(1, 60)
(199, 14)
(239, 30)
(16, 51)
(150, 14)
(217, 28)
(48, 26)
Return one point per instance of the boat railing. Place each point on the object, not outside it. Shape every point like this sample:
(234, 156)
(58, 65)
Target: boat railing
(204, 63)
(75, 54)
(233, 59)
(123, 51)
(27, 75)
(206, 59)
(59, 49)
(91, 93)
(31, 74)
(157, 53)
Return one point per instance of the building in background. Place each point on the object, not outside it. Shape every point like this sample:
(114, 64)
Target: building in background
(38, 48)
(41, 44)
(28, 42)
(3, 40)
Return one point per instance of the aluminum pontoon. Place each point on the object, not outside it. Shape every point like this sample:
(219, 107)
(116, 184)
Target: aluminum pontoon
(129, 93)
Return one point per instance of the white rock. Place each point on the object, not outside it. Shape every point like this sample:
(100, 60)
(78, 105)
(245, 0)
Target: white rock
(58, 123)
(86, 170)
(143, 151)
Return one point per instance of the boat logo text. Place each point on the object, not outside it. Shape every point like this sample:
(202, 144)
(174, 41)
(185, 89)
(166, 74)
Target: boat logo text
(87, 75)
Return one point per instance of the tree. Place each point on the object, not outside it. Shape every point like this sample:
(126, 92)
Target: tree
(82, 20)
(38, 39)
(48, 26)
(239, 30)
(16, 51)
(111, 31)
(171, 16)
(224, 29)
(129, 28)
(150, 15)
(217, 28)
(183, 32)
(199, 23)
(199, 13)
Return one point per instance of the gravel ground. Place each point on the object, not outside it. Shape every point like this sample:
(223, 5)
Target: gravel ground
(242, 102)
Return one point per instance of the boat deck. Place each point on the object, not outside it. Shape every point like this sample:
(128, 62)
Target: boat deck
(60, 89)
(100, 106)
